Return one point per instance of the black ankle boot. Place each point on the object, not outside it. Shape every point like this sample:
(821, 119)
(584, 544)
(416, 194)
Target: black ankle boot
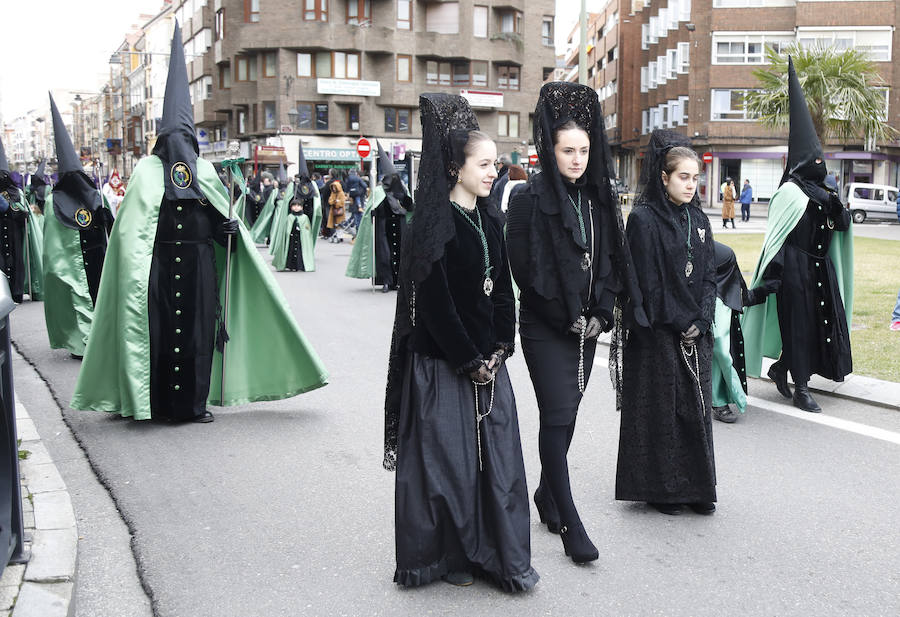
(779, 376)
(577, 544)
(546, 508)
(804, 400)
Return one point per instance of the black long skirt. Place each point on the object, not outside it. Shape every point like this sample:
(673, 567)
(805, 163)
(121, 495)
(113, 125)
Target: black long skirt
(665, 441)
(449, 514)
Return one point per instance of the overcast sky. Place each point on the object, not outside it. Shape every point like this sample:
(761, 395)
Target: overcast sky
(66, 45)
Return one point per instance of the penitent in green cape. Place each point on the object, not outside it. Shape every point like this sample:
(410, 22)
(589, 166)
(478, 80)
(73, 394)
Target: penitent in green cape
(762, 336)
(68, 308)
(281, 234)
(362, 257)
(262, 227)
(34, 238)
(268, 356)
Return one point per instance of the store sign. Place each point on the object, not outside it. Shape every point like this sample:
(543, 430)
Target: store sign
(333, 154)
(482, 98)
(351, 87)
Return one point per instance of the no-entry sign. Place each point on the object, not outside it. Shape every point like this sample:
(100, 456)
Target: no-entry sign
(533, 159)
(707, 157)
(364, 148)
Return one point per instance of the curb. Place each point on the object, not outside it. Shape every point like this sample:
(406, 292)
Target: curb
(45, 586)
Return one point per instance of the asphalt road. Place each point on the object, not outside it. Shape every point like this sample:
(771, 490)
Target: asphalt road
(282, 508)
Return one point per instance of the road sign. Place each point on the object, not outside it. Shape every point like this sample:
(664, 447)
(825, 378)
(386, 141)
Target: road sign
(707, 157)
(363, 147)
(533, 159)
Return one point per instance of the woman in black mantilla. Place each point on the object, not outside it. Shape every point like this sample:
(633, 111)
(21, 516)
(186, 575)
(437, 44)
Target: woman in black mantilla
(570, 259)
(451, 430)
(665, 440)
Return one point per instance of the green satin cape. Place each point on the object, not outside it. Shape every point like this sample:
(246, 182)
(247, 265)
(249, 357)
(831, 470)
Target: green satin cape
(362, 257)
(68, 308)
(762, 336)
(263, 224)
(726, 383)
(34, 238)
(268, 357)
(281, 236)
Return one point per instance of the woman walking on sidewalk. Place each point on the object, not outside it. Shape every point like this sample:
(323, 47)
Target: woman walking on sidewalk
(728, 195)
(451, 430)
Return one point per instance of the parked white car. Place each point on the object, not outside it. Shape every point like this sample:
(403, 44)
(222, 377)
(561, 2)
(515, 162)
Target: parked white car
(871, 201)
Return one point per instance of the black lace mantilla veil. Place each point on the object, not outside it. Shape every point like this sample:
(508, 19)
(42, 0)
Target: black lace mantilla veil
(652, 191)
(446, 122)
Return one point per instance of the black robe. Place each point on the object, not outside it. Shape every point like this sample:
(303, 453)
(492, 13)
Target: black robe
(12, 247)
(93, 249)
(665, 440)
(295, 250)
(814, 334)
(183, 308)
(389, 228)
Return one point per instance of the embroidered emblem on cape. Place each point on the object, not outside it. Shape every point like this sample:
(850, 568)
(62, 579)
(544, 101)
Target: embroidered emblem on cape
(305, 190)
(181, 175)
(83, 217)
(702, 233)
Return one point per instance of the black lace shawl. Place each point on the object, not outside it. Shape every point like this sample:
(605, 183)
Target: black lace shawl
(446, 121)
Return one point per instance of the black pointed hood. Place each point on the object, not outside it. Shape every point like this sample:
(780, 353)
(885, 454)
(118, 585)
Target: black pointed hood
(282, 175)
(804, 146)
(302, 167)
(385, 164)
(75, 198)
(304, 188)
(176, 144)
(40, 174)
(37, 182)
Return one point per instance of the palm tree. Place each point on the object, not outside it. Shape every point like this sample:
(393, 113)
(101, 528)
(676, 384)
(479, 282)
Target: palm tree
(841, 89)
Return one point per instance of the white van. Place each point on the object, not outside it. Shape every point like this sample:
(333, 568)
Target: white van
(875, 201)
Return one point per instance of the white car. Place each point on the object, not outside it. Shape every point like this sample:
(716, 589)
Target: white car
(875, 201)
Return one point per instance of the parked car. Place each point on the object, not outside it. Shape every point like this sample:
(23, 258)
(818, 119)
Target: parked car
(871, 201)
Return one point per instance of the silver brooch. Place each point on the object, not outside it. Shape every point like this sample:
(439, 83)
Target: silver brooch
(702, 233)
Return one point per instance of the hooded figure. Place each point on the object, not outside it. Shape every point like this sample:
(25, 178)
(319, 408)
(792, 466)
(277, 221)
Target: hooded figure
(294, 231)
(451, 430)
(76, 224)
(570, 260)
(262, 226)
(21, 240)
(662, 372)
(38, 188)
(253, 202)
(381, 228)
(802, 287)
(729, 375)
(156, 344)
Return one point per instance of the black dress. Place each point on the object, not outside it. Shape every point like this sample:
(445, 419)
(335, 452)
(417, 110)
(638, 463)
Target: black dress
(814, 334)
(461, 495)
(93, 250)
(665, 439)
(183, 307)
(389, 227)
(12, 246)
(295, 252)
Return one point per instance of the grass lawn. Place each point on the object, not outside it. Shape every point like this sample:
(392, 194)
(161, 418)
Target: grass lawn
(876, 350)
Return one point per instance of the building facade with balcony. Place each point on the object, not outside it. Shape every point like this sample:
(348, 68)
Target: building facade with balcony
(328, 72)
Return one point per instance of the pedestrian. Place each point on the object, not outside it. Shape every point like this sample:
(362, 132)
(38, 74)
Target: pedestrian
(114, 191)
(451, 429)
(317, 178)
(325, 193)
(569, 261)
(806, 265)
(728, 196)
(356, 189)
(262, 226)
(665, 439)
(296, 230)
(388, 209)
(746, 199)
(895, 316)
(76, 225)
(503, 165)
(158, 333)
(21, 239)
(337, 213)
(729, 373)
(517, 179)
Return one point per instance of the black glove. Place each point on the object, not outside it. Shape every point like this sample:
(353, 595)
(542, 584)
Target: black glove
(482, 375)
(752, 297)
(594, 327)
(689, 336)
(497, 360)
(228, 227)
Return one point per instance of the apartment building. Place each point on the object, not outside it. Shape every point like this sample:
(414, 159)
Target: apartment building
(327, 72)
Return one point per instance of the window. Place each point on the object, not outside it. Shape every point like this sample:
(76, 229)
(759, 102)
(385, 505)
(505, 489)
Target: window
(651, 75)
(612, 54)
(610, 121)
(508, 77)
(507, 124)
(245, 69)
(404, 14)
(460, 73)
(241, 121)
(510, 21)
(251, 11)
(225, 76)
(359, 12)
(645, 79)
(645, 122)
(270, 64)
(269, 120)
(653, 27)
(315, 10)
(346, 65)
(645, 36)
(729, 105)
(479, 73)
(683, 54)
(321, 116)
(442, 18)
(747, 48)
(352, 117)
(684, 13)
(671, 63)
(220, 24)
(661, 70)
(437, 73)
(547, 31)
(397, 119)
(873, 39)
(304, 65)
(304, 116)
(404, 67)
(480, 21)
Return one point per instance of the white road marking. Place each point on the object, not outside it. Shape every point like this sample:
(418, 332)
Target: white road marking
(816, 418)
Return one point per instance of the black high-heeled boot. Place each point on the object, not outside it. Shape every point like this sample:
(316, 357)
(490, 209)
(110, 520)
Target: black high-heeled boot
(778, 374)
(546, 508)
(577, 544)
(804, 400)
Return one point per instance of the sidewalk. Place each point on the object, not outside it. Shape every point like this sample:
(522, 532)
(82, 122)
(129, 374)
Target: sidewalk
(44, 587)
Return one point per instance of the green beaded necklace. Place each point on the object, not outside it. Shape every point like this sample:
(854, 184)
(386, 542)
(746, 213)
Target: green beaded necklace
(488, 286)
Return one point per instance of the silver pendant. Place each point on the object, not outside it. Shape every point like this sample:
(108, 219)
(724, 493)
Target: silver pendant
(586, 262)
(702, 233)
(688, 268)
(488, 286)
